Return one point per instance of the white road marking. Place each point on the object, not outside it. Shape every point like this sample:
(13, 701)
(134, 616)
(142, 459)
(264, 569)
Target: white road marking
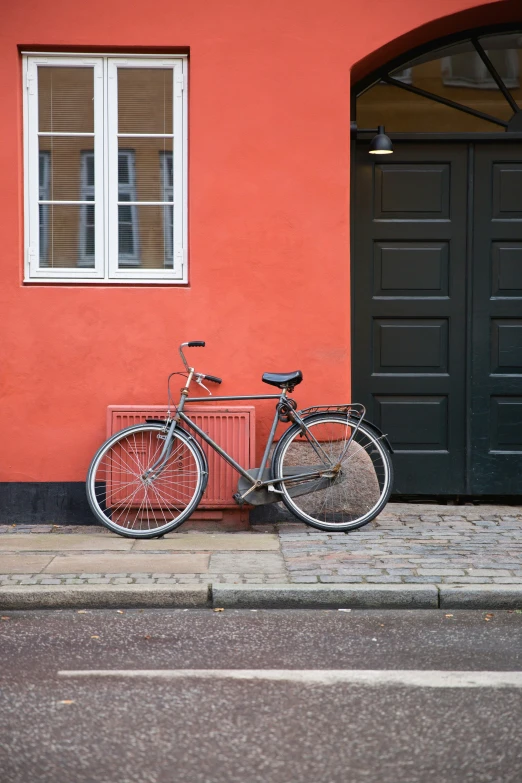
(416, 678)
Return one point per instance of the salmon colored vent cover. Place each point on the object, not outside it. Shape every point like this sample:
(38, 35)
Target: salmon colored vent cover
(232, 427)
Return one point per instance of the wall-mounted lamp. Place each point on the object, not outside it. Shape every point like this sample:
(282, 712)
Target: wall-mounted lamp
(381, 144)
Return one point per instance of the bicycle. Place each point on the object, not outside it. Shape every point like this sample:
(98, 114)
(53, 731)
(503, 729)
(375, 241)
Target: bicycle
(331, 467)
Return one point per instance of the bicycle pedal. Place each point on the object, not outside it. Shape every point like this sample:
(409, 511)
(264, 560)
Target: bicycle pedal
(239, 500)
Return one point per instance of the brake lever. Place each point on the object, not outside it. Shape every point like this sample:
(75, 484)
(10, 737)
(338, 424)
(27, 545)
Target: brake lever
(199, 380)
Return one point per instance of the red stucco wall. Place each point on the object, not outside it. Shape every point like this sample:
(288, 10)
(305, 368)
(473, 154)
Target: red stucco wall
(268, 216)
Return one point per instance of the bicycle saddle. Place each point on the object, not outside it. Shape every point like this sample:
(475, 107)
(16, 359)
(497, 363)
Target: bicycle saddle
(283, 379)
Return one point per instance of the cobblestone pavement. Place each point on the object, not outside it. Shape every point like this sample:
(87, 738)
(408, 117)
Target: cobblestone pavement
(412, 543)
(407, 543)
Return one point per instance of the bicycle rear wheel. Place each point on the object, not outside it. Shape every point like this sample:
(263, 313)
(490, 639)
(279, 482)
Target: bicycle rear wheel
(357, 492)
(137, 507)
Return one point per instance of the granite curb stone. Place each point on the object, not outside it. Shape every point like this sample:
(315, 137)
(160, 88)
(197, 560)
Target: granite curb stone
(360, 596)
(261, 596)
(103, 596)
(480, 596)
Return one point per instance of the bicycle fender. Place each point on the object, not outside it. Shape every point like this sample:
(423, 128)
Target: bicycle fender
(373, 427)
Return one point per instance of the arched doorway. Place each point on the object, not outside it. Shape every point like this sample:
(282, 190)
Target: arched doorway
(437, 264)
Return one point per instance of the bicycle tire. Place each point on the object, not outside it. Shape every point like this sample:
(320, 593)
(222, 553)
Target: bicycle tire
(136, 508)
(364, 482)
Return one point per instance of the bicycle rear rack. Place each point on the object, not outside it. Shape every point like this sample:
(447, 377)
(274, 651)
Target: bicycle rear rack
(355, 409)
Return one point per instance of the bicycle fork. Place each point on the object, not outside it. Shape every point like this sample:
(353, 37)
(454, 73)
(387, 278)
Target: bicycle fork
(159, 465)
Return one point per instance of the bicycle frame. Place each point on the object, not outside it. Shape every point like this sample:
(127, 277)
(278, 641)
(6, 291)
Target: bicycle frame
(256, 481)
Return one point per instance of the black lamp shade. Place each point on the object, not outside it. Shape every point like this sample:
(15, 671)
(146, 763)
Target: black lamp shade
(381, 144)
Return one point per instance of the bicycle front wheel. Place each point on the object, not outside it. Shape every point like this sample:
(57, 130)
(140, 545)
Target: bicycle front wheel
(138, 507)
(356, 488)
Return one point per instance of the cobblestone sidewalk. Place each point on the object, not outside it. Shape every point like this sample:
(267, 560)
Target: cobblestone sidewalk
(407, 544)
(412, 543)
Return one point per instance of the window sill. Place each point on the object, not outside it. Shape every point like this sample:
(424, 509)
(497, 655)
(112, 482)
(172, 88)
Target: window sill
(78, 281)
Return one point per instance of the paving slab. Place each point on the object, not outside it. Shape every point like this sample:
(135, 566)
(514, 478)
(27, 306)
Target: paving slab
(210, 542)
(45, 542)
(249, 562)
(125, 563)
(23, 564)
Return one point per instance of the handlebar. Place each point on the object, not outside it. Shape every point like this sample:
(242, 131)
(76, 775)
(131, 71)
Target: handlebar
(197, 344)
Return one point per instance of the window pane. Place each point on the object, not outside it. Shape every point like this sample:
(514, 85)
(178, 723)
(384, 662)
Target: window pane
(458, 73)
(62, 229)
(65, 100)
(402, 112)
(127, 244)
(142, 238)
(145, 100)
(66, 175)
(151, 182)
(463, 78)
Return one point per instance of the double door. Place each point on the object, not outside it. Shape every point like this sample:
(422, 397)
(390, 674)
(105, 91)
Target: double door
(437, 312)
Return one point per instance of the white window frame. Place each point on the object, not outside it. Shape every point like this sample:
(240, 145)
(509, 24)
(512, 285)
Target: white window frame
(104, 142)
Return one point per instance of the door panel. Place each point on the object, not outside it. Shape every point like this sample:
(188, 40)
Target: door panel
(496, 407)
(409, 309)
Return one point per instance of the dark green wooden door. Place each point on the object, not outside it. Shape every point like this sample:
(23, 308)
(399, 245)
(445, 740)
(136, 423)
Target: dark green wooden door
(496, 371)
(435, 345)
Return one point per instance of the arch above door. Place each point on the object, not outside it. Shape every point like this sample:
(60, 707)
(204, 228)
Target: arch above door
(467, 85)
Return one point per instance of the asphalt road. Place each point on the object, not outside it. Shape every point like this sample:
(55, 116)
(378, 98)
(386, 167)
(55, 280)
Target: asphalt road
(118, 730)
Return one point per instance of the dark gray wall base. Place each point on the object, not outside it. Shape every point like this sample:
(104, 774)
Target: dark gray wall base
(271, 512)
(45, 503)
(65, 503)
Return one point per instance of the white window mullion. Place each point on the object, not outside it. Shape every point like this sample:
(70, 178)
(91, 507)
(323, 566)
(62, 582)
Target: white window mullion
(99, 121)
(177, 162)
(105, 180)
(112, 167)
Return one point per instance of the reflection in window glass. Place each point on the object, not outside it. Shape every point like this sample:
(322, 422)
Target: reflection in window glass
(456, 73)
(145, 100)
(145, 122)
(167, 176)
(43, 209)
(128, 227)
(65, 100)
(404, 112)
(87, 213)
(469, 70)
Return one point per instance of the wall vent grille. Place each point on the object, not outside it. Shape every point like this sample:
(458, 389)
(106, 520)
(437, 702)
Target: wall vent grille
(233, 428)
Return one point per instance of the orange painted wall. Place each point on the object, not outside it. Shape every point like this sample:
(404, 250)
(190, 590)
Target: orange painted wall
(269, 212)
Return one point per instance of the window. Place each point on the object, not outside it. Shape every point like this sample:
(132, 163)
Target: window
(469, 86)
(468, 70)
(105, 169)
